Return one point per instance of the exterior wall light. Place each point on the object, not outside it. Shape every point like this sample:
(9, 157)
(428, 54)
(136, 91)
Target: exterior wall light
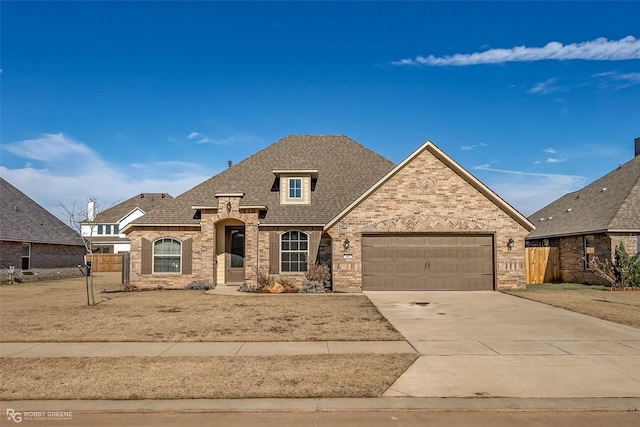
(510, 243)
(346, 244)
(228, 207)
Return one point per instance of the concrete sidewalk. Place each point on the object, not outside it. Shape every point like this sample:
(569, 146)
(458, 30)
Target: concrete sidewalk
(198, 349)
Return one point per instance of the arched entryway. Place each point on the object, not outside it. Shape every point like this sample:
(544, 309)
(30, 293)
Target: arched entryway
(231, 251)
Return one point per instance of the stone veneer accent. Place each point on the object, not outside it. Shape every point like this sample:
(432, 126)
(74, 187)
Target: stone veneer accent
(425, 196)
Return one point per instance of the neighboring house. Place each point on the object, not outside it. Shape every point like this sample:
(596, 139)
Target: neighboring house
(106, 236)
(33, 241)
(592, 222)
(424, 224)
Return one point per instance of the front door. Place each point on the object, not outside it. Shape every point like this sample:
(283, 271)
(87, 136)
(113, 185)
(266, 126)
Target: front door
(234, 238)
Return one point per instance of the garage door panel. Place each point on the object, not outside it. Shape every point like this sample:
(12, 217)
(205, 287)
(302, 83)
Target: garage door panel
(427, 262)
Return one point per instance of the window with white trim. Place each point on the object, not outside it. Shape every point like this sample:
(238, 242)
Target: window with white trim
(167, 256)
(295, 188)
(294, 252)
(26, 256)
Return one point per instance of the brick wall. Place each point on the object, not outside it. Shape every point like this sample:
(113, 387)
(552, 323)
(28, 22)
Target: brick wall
(136, 278)
(572, 267)
(43, 256)
(427, 196)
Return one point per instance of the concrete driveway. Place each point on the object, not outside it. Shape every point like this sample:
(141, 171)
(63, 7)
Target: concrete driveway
(488, 344)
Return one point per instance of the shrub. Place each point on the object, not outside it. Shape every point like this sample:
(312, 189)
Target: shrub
(627, 267)
(319, 273)
(246, 288)
(312, 288)
(623, 273)
(200, 285)
(263, 280)
(288, 283)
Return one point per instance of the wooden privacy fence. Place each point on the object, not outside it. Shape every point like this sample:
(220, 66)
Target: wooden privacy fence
(104, 263)
(542, 265)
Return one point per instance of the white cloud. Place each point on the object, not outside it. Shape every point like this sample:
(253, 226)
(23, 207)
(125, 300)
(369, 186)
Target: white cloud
(554, 160)
(48, 147)
(472, 147)
(550, 150)
(619, 80)
(59, 170)
(193, 135)
(599, 49)
(545, 87)
(526, 191)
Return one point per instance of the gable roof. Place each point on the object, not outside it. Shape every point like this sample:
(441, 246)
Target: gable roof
(143, 201)
(609, 204)
(345, 169)
(23, 220)
(443, 157)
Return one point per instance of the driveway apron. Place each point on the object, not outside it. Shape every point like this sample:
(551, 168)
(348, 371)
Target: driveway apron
(488, 344)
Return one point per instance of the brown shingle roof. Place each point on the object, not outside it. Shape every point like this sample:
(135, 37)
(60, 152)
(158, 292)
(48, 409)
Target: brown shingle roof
(23, 220)
(145, 201)
(345, 170)
(611, 203)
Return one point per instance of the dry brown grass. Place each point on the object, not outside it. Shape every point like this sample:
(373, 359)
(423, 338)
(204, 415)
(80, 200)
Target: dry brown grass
(616, 306)
(349, 375)
(57, 311)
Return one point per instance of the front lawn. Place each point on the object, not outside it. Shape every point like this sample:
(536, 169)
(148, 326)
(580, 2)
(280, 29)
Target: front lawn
(616, 306)
(57, 311)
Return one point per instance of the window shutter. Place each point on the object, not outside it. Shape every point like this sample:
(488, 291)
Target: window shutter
(187, 256)
(314, 246)
(274, 252)
(147, 257)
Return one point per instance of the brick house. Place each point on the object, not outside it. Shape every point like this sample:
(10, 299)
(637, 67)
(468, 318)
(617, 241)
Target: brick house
(592, 222)
(104, 230)
(33, 241)
(423, 224)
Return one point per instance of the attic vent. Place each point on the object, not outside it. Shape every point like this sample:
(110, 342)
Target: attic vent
(541, 219)
(163, 195)
(142, 196)
(550, 218)
(603, 189)
(568, 209)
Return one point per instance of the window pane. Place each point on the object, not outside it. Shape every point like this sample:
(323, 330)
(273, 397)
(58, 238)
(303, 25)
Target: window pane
(116, 229)
(166, 254)
(100, 229)
(294, 251)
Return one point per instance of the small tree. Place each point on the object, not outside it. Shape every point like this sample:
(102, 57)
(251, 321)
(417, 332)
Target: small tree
(623, 273)
(77, 217)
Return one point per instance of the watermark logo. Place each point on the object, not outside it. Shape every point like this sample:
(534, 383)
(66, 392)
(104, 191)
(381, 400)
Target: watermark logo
(14, 416)
(18, 417)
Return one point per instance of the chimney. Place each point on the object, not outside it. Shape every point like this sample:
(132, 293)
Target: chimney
(637, 141)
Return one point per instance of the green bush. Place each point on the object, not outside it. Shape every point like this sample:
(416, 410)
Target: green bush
(627, 267)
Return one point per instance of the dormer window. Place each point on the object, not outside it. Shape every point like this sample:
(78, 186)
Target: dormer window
(295, 188)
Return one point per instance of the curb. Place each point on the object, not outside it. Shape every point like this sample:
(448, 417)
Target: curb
(382, 404)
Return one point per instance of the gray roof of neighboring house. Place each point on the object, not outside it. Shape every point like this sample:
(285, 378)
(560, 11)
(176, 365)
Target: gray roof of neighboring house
(611, 203)
(345, 168)
(145, 201)
(23, 220)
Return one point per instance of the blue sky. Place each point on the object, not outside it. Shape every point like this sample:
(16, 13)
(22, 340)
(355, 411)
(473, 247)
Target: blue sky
(110, 99)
